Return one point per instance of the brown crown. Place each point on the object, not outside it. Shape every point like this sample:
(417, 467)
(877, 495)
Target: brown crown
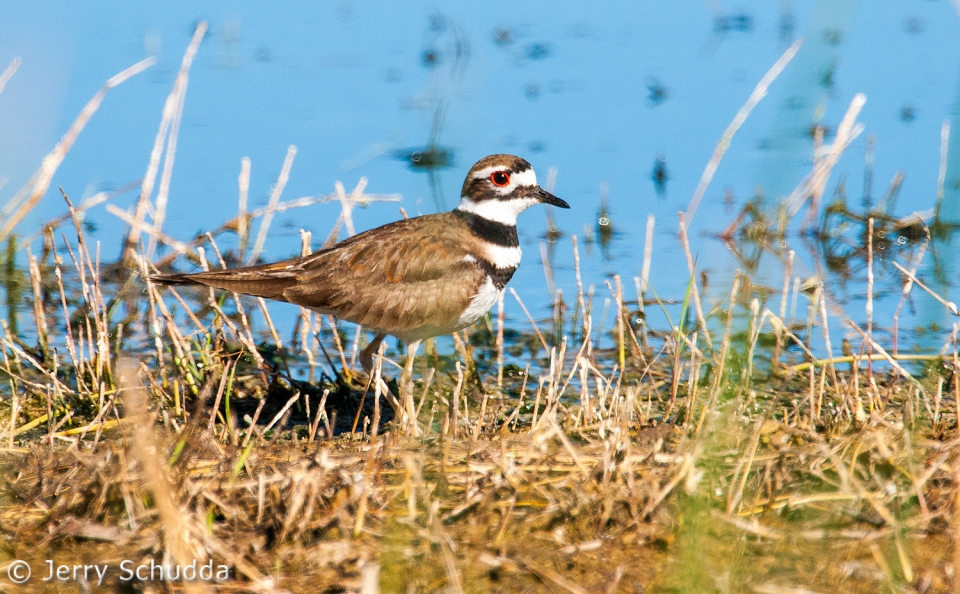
(480, 188)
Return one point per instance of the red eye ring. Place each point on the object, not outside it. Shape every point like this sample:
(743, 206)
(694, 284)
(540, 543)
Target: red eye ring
(500, 178)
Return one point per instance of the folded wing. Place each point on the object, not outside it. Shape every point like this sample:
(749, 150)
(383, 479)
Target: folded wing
(402, 276)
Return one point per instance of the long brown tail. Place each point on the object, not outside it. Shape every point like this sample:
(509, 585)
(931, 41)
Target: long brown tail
(173, 279)
(260, 281)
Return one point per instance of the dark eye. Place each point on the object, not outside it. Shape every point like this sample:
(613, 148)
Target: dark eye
(500, 178)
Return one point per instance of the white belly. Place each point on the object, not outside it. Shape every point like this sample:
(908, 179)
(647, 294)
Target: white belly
(480, 304)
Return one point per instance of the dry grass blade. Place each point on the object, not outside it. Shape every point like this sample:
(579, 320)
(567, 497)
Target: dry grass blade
(178, 534)
(95, 200)
(907, 287)
(173, 135)
(816, 181)
(691, 268)
(950, 305)
(647, 256)
(278, 187)
(775, 589)
(34, 190)
(166, 121)
(142, 226)
(759, 92)
(883, 353)
(941, 175)
(346, 209)
(243, 221)
(821, 296)
(9, 72)
(543, 341)
(869, 304)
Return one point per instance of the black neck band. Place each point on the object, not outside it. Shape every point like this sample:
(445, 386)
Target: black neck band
(498, 276)
(492, 231)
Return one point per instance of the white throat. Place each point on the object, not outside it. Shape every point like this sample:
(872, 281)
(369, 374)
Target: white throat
(500, 211)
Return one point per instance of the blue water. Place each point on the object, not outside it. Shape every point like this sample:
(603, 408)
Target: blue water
(598, 93)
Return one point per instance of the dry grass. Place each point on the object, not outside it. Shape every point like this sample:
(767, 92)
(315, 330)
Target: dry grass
(601, 469)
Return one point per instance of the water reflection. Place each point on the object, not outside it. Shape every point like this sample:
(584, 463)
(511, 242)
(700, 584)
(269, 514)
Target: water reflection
(659, 175)
(431, 158)
(657, 92)
(604, 226)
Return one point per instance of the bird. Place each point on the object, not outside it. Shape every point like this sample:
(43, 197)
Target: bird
(415, 278)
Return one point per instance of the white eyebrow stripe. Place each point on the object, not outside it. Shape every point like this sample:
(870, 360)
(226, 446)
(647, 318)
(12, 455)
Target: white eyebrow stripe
(526, 177)
(486, 171)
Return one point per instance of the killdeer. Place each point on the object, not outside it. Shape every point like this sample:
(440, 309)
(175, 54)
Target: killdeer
(415, 278)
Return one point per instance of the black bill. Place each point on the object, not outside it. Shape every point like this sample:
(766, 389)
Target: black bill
(548, 198)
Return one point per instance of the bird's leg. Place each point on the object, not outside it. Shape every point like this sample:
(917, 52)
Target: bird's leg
(366, 361)
(366, 355)
(406, 385)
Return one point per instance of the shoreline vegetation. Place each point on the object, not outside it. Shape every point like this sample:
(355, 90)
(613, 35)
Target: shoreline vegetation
(149, 427)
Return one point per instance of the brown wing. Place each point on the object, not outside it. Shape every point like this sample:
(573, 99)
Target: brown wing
(398, 277)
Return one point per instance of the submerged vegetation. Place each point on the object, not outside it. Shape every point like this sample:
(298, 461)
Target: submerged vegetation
(721, 451)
